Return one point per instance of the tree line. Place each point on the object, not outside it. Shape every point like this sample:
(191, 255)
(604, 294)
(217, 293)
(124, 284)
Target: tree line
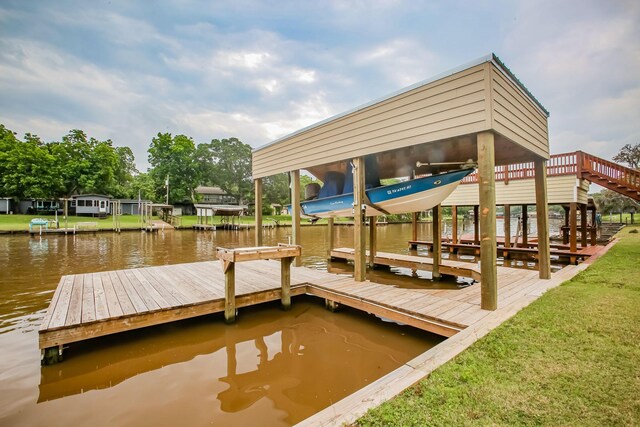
(77, 164)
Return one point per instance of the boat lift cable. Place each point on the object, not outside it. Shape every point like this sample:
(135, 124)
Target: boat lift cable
(463, 165)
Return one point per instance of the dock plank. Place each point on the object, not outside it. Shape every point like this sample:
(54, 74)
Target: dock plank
(136, 300)
(100, 298)
(74, 314)
(88, 300)
(124, 301)
(113, 305)
(60, 307)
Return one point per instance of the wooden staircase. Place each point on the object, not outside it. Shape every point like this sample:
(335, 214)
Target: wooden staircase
(615, 177)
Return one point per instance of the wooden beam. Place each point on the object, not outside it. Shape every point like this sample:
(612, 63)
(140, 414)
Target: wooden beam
(285, 281)
(373, 240)
(414, 225)
(507, 226)
(573, 226)
(330, 240)
(437, 241)
(230, 292)
(594, 227)
(360, 268)
(542, 217)
(476, 225)
(258, 210)
(583, 225)
(295, 211)
(525, 226)
(454, 224)
(488, 245)
(565, 230)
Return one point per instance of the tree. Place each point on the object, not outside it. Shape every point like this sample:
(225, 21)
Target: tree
(26, 167)
(276, 189)
(609, 201)
(630, 155)
(174, 158)
(142, 186)
(227, 164)
(125, 173)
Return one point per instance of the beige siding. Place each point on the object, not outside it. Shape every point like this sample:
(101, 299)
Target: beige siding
(560, 190)
(449, 107)
(516, 117)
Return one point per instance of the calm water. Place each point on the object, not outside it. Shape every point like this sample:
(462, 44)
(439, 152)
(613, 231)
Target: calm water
(270, 368)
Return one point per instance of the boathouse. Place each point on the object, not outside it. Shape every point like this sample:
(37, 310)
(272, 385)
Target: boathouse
(479, 112)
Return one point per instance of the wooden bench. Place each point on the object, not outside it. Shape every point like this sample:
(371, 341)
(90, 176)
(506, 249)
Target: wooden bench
(229, 257)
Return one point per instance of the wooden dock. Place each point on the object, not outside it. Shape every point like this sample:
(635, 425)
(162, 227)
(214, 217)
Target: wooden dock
(90, 305)
(447, 267)
(530, 251)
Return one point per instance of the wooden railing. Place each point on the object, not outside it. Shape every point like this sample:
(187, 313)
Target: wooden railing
(615, 173)
(608, 174)
(557, 165)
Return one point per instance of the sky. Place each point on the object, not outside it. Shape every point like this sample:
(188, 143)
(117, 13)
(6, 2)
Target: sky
(259, 70)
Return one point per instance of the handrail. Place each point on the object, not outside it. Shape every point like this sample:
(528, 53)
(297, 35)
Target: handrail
(622, 175)
(557, 165)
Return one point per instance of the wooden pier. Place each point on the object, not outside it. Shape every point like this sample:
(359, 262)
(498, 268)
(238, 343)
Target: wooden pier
(447, 267)
(530, 250)
(90, 305)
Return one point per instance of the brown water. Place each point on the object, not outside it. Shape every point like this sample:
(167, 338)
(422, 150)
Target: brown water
(270, 368)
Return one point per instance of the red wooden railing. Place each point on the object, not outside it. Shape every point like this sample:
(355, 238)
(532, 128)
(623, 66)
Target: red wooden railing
(557, 165)
(611, 175)
(590, 165)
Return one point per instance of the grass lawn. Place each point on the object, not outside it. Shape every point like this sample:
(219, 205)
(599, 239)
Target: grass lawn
(21, 222)
(571, 358)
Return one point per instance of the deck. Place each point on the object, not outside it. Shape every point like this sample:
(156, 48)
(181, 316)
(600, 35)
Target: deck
(90, 305)
(447, 267)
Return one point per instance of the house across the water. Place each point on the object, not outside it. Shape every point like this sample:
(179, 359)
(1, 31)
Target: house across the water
(6, 205)
(131, 206)
(215, 196)
(91, 204)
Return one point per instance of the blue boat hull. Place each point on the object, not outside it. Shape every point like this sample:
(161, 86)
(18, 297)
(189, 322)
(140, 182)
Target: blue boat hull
(410, 196)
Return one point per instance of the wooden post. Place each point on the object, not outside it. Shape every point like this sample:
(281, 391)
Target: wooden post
(573, 226)
(360, 268)
(229, 291)
(594, 227)
(542, 217)
(414, 231)
(565, 231)
(285, 281)
(437, 241)
(295, 211)
(507, 226)
(52, 355)
(525, 226)
(329, 237)
(258, 213)
(488, 246)
(414, 226)
(373, 240)
(476, 226)
(583, 225)
(454, 225)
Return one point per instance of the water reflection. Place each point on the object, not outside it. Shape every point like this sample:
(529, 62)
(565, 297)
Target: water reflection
(273, 366)
(299, 361)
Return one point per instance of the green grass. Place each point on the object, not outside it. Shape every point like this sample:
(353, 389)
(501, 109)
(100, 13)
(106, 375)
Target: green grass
(21, 222)
(571, 358)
